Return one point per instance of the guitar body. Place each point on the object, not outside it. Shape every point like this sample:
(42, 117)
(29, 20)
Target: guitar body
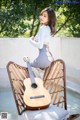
(35, 95)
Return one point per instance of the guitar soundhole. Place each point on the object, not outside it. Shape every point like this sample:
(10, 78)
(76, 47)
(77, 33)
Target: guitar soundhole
(34, 85)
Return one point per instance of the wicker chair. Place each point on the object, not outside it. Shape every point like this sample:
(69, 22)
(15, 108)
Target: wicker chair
(54, 82)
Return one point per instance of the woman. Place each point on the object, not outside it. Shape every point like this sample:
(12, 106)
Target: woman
(43, 37)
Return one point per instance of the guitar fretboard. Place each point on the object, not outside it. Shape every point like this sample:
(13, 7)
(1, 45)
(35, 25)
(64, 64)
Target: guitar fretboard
(30, 73)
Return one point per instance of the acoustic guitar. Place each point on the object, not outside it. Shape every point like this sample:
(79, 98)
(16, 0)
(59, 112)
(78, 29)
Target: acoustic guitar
(35, 95)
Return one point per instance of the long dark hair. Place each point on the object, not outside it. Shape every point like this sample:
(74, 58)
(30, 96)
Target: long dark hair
(51, 18)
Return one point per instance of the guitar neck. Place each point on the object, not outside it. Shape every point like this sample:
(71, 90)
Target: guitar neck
(30, 72)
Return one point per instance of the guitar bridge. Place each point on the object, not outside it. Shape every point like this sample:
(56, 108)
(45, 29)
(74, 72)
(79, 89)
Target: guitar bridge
(34, 97)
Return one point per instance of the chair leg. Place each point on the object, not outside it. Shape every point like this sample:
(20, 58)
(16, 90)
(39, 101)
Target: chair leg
(73, 117)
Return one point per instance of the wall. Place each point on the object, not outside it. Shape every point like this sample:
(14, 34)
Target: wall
(13, 49)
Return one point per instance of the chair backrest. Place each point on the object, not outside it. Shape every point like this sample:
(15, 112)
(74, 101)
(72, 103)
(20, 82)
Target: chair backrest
(54, 81)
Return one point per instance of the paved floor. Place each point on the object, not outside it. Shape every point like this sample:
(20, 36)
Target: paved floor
(73, 102)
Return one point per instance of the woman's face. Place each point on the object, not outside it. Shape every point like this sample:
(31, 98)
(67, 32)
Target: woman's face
(44, 18)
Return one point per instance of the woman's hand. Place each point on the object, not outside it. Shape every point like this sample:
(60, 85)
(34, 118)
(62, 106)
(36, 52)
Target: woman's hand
(33, 38)
(46, 43)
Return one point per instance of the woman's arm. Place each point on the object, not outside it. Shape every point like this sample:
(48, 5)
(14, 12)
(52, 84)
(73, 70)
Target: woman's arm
(42, 37)
(36, 43)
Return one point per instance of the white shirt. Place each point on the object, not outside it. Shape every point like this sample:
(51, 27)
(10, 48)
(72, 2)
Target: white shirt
(43, 35)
